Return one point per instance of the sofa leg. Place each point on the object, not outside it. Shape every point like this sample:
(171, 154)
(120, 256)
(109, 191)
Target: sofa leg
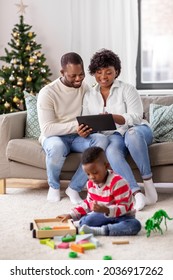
(2, 186)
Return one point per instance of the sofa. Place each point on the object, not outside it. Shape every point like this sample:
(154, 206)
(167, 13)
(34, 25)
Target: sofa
(22, 157)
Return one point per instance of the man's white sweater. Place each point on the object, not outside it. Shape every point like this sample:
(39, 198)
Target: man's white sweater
(58, 106)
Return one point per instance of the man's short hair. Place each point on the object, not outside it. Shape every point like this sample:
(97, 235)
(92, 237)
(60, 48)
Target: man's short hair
(92, 154)
(72, 58)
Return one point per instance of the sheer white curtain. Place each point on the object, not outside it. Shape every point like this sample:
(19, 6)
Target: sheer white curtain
(111, 24)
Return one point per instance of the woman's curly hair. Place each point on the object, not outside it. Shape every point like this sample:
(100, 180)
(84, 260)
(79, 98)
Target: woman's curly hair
(102, 59)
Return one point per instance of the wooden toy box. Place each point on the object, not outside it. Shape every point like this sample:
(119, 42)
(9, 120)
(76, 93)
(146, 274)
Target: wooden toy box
(57, 228)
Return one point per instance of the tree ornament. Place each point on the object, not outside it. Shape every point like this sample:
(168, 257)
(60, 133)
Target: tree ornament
(16, 99)
(7, 105)
(15, 34)
(28, 79)
(21, 67)
(19, 82)
(30, 34)
(31, 60)
(28, 48)
(21, 7)
(38, 54)
(2, 82)
(43, 70)
(17, 42)
(12, 78)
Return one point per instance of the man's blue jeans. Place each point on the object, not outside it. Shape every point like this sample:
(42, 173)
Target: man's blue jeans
(135, 141)
(123, 225)
(58, 147)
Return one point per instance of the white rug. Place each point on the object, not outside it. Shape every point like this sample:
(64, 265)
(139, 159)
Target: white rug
(20, 206)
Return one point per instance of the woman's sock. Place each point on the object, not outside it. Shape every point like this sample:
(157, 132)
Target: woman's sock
(53, 195)
(140, 201)
(150, 192)
(95, 230)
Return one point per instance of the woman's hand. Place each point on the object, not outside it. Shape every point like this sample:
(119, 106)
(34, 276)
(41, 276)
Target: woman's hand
(84, 130)
(64, 217)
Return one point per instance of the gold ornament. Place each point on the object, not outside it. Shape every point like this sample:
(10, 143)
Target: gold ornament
(2, 82)
(30, 34)
(21, 67)
(17, 42)
(28, 79)
(19, 83)
(38, 53)
(16, 99)
(31, 60)
(6, 105)
(28, 48)
(13, 61)
(15, 34)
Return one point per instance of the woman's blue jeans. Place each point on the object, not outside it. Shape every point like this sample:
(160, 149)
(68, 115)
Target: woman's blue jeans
(135, 141)
(123, 225)
(58, 147)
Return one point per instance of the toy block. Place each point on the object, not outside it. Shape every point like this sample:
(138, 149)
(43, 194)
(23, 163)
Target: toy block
(119, 242)
(61, 227)
(63, 245)
(107, 258)
(51, 244)
(80, 237)
(77, 248)
(57, 238)
(88, 246)
(72, 255)
(69, 238)
(95, 241)
(83, 241)
(47, 228)
(43, 241)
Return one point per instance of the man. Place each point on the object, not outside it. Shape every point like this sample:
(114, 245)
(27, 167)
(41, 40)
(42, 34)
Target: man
(58, 105)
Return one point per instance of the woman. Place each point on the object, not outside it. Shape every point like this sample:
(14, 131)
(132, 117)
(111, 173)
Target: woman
(133, 134)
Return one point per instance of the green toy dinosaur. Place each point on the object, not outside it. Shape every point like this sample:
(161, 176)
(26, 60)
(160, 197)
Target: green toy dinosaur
(153, 224)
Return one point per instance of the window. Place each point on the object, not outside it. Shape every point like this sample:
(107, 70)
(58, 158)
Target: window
(155, 50)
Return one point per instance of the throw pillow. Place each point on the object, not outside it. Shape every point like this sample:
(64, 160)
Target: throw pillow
(161, 120)
(32, 129)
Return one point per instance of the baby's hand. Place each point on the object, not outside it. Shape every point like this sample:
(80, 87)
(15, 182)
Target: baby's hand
(100, 208)
(63, 217)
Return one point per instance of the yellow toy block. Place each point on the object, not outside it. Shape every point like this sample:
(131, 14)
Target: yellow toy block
(88, 246)
(51, 244)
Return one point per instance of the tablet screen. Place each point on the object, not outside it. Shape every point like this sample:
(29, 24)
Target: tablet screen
(98, 122)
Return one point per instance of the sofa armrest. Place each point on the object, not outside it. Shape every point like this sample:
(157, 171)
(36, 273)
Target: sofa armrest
(12, 126)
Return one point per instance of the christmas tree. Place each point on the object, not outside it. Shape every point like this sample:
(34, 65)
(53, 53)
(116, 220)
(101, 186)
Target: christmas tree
(25, 69)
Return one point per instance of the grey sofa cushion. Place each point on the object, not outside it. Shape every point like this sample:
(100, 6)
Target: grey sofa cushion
(161, 100)
(30, 152)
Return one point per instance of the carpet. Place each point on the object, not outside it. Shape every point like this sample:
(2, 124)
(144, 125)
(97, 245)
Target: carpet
(20, 206)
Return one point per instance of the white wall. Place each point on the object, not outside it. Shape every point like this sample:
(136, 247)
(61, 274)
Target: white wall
(49, 20)
(83, 26)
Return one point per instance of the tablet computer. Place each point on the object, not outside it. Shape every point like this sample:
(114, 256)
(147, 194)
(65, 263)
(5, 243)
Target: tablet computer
(98, 122)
